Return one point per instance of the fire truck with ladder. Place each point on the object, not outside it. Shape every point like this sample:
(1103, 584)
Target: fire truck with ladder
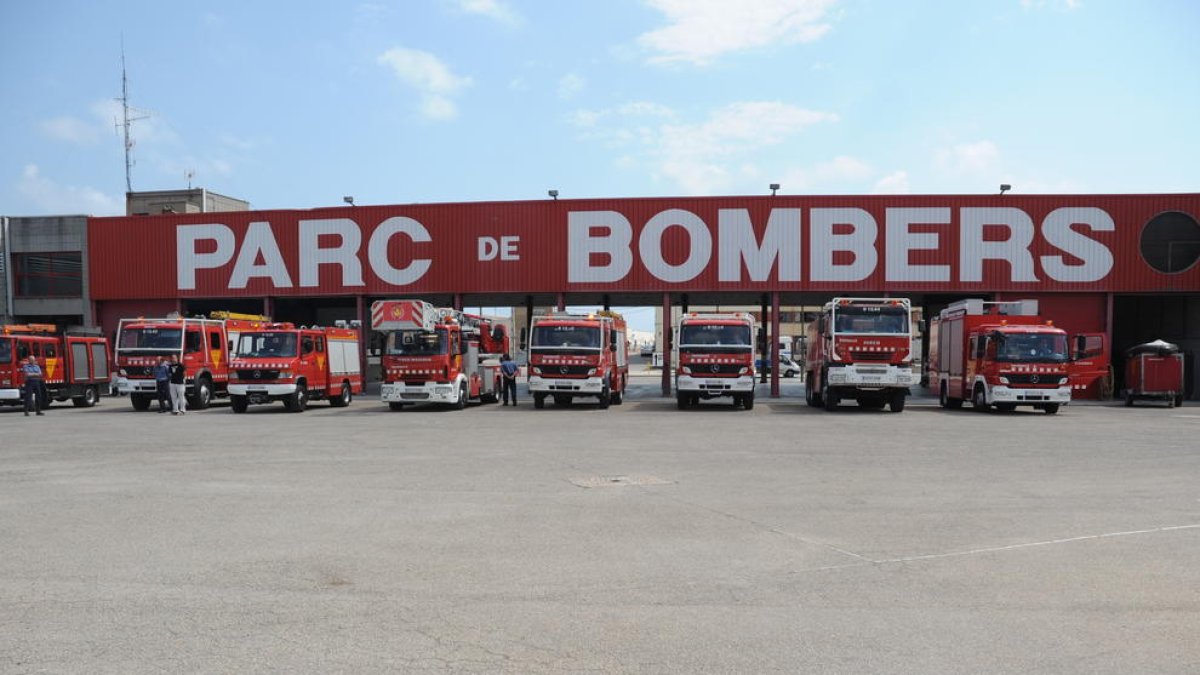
(295, 364)
(715, 357)
(203, 345)
(573, 355)
(1000, 354)
(74, 365)
(437, 354)
(860, 348)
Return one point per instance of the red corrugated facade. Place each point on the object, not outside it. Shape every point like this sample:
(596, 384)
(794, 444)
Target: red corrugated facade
(938, 244)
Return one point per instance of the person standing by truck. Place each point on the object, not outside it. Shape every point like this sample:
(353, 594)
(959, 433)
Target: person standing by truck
(162, 383)
(35, 392)
(178, 375)
(508, 374)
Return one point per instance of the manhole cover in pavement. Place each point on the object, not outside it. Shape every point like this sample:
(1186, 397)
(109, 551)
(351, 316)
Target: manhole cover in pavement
(617, 481)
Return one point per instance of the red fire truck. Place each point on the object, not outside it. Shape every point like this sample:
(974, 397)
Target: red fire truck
(860, 348)
(203, 345)
(715, 357)
(283, 362)
(574, 355)
(1000, 354)
(437, 354)
(74, 366)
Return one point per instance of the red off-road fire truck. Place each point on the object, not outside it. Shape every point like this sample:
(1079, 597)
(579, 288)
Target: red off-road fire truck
(283, 362)
(1000, 354)
(74, 365)
(437, 354)
(715, 357)
(573, 355)
(203, 345)
(861, 348)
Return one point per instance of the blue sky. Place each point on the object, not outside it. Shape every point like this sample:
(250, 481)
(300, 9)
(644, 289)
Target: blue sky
(293, 105)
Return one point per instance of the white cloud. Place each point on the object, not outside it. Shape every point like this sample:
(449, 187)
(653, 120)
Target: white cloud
(569, 85)
(69, 129)
(1067, 5)
(895, 183)
(701, 30)
(493, 9)
(59, 199)
(839, 172)
(978, 157)
(429, 76)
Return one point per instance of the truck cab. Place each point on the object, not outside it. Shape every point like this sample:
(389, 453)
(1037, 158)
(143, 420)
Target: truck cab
(714, 354)
(861, 349)
(280, 362)
(577, 355)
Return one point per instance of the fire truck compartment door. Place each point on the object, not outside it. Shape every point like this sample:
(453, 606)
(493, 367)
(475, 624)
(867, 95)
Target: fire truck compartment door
(79, 362)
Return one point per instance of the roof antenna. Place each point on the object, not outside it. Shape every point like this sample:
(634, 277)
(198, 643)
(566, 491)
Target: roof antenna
(127, 121)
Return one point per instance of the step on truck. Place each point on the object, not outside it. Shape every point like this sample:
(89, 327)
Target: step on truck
(1000, 355)
(861, 349)
(438, 354)
(74, 365)
(204, 345)
(283, 362)
(714, 356)
(574, 355)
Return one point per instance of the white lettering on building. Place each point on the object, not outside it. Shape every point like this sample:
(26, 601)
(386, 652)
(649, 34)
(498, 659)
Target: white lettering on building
(260, 239)
(188, 259)
(344, 255)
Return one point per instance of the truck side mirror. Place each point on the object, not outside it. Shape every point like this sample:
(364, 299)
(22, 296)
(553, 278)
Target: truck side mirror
(498, 332)
(612, 336)
(524, 338)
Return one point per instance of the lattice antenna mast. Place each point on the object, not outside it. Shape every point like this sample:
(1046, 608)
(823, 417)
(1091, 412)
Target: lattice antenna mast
(126, 122)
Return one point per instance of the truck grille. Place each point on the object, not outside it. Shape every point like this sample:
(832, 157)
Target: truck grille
(1035, 379)
(258, 374)
(706, 369)
(137, 371)
(871, 356)
(565, 371)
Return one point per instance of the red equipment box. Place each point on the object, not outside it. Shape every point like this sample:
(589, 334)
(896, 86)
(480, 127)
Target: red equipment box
(1154, 371)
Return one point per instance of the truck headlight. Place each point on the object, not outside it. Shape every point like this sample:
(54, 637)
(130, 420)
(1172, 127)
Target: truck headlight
(536, 370)
(745, 370)
(591, 372)
(122, 373)
(1063, 380)
(1003, 380)
(285, 375)
(686, 370)
(233, 375)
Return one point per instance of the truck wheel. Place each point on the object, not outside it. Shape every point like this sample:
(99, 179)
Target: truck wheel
(539, 401)
(1006, 407)
(979, 399)
(395, 406)
(682, 400)
(240, 404)
(945, 401)
(462, 397)
(747, 401)
(140, 401)
(203, 395)
(89, 398)
(1050, 408)
(343, 399)
(1128, 399)
(605, 397)
(896, 402)
(298, 401)
(1179, 401)
(811, 395)
(828, 397)
(617, 397)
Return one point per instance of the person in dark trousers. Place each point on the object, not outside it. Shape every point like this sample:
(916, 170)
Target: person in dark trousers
(178, 386)
(35, 391)
(162, 380)
(508, 378)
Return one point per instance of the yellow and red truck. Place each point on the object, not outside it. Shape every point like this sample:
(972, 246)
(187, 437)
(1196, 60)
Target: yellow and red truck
(861, 349)
(573, 355)
(714, 354)
(295, 364)
(74, 366)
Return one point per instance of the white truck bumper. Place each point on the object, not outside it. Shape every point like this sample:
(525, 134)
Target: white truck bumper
(715, 385)
(10, 394)
(1002, 394)
(592, 386)
(429, 392)
(872, 376)
(127, 386)
(262, 389)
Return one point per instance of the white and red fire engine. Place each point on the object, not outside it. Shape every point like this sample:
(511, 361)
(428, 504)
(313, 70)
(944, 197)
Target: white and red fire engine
(861, 348)
(1000, 354)
(714, 354)
(74, 366)
(438, 355)
(203, 345)
(283, 362)
(574, 355)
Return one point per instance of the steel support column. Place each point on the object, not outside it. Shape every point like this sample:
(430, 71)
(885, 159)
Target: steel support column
(775, 366)
(560, 302)
(268, 309)
(364, 331)
(766, 341)
(666, 345)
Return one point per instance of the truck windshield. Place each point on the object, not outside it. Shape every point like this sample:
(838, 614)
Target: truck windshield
(876, 320)
(154, 338)
(264, 345)
(566, 339)
(714, 338)
(1019, 348)
(6, 350)
(416, 343)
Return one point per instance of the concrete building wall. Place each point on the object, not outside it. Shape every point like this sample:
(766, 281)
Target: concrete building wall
(197, 200)
(48, 234)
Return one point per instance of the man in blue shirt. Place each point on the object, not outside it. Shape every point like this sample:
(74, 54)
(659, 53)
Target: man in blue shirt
(508, 378)
(35, 397)
(162, 380)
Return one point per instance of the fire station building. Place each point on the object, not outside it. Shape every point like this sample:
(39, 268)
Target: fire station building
(1124, 265)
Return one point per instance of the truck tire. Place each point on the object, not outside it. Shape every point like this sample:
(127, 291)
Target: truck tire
(944, 398)
(618, 397)
(682, 400)
(395, 406)
(539, 401)
(240, 404)
(1179, 401)
(1051, 408)
(811, 395)
(1128, 399)
(979, 399)
(298, 401)
(897, 400)
(747, 401)
(89, 398)
(461, 403)
(828, 397)
(342, 399)
(1006, 407)
(140, 402)
(203, 394)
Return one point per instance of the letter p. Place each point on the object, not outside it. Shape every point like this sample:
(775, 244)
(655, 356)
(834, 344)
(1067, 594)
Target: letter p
(188, 259)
